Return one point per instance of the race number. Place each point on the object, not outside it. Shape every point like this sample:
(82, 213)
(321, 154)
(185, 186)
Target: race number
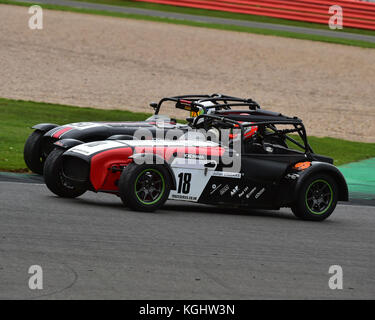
(184, 179)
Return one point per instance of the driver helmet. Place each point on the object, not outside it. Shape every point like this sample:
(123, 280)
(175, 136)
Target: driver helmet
(249, 131)
(201, 110)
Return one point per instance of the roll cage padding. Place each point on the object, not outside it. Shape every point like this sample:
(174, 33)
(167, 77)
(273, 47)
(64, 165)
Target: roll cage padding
(328, 169)
(156, 159)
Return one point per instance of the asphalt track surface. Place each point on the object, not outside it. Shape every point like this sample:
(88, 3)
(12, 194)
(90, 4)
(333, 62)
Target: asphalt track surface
(94, 248)
(205, 19)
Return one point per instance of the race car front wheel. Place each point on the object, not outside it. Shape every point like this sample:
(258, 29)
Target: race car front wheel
(32, 152)
(144, 187)
(54, 178)
(317, 198)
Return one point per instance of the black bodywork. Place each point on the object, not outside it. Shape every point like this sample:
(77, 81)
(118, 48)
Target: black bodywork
(268, 169)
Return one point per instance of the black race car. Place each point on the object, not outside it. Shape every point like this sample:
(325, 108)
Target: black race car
(41, 142)
(231, 157)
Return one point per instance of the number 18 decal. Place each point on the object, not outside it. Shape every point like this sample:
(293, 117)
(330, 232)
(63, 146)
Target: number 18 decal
(184, 180)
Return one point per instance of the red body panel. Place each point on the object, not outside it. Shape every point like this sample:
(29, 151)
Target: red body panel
(102, 162)
(102, 178)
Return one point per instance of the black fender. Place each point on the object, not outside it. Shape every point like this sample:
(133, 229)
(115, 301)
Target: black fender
(329, 169)
(67, 143)
(86, 135)
(45, 127)
(155, 159)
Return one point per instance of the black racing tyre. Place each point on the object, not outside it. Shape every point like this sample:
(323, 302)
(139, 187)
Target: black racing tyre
(144, 187)
(32, 152)
(54, 179)
(317, 198)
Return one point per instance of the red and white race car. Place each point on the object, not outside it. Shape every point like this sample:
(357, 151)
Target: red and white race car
(246, 170)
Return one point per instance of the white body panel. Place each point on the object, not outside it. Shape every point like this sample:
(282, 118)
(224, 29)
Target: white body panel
(94, 147)
(198, 177)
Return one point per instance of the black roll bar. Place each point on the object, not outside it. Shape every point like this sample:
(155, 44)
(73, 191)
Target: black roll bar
(214, 98)
(297, 123)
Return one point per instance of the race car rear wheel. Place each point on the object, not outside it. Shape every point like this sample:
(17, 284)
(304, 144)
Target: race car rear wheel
(54, 179)
(317, 198)
(144, 187)
(32, 152)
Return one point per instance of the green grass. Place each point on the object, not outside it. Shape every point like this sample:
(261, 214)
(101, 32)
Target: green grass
(17, 118)
(342, 151)
(285, 34)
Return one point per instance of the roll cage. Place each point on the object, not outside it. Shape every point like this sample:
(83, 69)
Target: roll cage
(260, 118)
(194, 102)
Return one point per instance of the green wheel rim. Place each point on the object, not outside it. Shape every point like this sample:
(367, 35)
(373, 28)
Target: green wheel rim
(149, 186)
(319, 197)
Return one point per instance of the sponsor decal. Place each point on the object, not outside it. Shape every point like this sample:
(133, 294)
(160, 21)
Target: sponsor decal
(243, 192)
(234, 191)
(194, 156)
(236, 175)
(260, 193)
(214, 188)
(250, 193)
(224, 189)
(180, 196)
(292, 176)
